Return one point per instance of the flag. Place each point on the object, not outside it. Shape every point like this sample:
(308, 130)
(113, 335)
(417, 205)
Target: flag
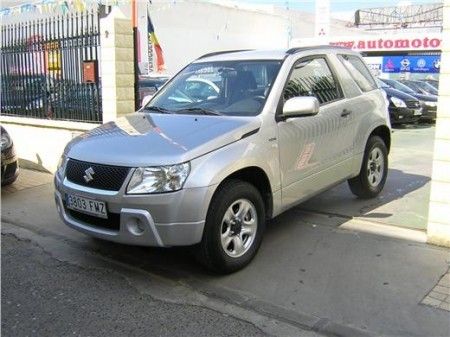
(153, 41)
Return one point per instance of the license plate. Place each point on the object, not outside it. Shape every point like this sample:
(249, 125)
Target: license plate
(417, 112)
(86, 205)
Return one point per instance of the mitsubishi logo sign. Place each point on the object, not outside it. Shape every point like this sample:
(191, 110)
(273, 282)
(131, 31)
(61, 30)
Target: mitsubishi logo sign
(88, 177)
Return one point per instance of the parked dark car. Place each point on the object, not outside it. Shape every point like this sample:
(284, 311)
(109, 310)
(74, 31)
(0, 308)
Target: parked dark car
(76, 101)
(149, 85)
(421, 87)
(32, 93)
(10, 165)
(429, 102)
(403, 108)
(434, 83)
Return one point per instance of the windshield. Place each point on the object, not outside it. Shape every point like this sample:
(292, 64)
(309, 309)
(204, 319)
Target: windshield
(413, 86)
(232, 88)
(399, 86)
(427, 87)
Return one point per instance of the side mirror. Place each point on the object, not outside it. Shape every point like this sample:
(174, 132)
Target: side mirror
(300, 107)
(146, 99)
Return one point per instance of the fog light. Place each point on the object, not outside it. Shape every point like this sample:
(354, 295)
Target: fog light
(135, 226)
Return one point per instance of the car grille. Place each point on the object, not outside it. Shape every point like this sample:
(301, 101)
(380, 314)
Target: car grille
(112, 223)
(105, 177)
(413, 104)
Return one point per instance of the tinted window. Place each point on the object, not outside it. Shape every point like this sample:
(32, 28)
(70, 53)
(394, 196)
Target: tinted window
(359, 72)
(312, 77)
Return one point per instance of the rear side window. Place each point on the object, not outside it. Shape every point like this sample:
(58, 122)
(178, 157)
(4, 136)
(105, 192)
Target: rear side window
(359, 72)
(312, 77)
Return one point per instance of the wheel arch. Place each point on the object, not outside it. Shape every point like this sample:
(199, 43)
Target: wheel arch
(384, 133)
(257, 177)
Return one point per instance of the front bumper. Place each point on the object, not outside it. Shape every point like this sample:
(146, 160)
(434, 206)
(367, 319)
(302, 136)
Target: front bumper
(404, 115)
(428, 113)
(161, 220)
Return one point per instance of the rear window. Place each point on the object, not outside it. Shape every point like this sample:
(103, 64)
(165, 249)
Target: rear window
(359, 72)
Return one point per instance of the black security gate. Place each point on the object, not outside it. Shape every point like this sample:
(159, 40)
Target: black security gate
(49, 68)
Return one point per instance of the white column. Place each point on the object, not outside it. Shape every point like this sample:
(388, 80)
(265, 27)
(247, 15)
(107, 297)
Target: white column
(116, 65)
(439, 214)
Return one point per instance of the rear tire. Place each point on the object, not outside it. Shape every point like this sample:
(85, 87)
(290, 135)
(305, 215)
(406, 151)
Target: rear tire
(234, 228)
(372, 176)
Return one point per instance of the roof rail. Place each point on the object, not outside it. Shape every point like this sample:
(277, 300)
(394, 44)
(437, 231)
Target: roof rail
(222, 52)
(326, 46)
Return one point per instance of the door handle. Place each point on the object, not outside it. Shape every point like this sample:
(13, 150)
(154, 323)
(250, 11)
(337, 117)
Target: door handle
(345, 113)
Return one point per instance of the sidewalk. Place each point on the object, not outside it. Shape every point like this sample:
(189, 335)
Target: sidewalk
(28, 179)
(310, 270)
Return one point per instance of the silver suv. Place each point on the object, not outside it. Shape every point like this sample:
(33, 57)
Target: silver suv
(233, 140)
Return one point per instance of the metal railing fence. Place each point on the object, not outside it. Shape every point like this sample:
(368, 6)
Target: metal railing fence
(49, 68)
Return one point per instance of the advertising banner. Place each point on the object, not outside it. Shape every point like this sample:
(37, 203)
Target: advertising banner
(412, 64)
(380, 42)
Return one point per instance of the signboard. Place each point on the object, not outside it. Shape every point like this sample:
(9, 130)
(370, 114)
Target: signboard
(368, 43)
(399, 43)
(411, 64)
(90, 71)
(52, 55)
(375, 64)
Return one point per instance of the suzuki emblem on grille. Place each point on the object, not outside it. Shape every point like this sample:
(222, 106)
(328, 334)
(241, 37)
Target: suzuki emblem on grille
(89, 175)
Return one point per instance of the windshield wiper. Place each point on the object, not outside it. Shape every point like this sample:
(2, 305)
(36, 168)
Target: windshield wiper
(200, 111)
(158, 109)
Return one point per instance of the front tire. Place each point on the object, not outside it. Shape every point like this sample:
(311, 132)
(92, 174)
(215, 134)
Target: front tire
(234, 228)
(374, 169)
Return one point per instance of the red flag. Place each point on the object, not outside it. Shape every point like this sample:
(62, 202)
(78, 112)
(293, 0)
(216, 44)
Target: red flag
(153, 40)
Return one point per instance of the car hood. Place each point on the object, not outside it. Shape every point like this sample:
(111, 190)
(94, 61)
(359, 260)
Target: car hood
(426, 98)
(391, 92)
(144, 139)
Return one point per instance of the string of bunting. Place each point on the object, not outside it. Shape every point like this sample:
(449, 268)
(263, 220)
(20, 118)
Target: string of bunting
(61, 6)
(66, 6)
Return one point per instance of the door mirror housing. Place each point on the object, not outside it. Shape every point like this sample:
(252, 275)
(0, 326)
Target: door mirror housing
(300, 107)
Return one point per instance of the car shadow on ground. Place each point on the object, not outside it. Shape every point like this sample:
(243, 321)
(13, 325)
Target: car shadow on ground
(339, 201)
(178, 263)
(421, 125)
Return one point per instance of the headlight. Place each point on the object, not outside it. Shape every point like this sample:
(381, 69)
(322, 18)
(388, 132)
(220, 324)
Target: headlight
(398, 102)
(6, 140)
(430, 104)
(158, 179)
(61, 168)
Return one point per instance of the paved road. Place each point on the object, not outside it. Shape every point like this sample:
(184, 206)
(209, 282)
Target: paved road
(42, 296)
(311, 276)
